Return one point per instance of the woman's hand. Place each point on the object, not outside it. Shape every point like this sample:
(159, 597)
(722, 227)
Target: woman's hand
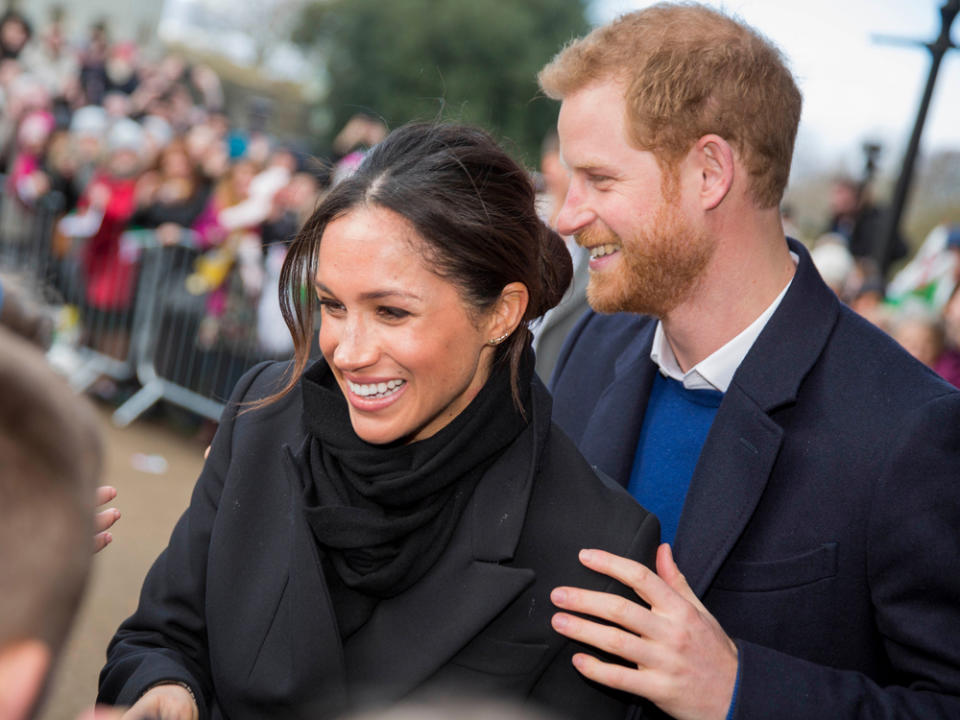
(164, 702)
(104, 519)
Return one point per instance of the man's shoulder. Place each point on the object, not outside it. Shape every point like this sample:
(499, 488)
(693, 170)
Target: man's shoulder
(598, 340)
(873, 361)
(617, 329)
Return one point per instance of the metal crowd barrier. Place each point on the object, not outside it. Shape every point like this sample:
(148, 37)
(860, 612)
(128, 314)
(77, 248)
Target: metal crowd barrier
(195, 337)
(180, 322)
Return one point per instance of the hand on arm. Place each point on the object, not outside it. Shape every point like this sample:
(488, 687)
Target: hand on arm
(680, 658)
(164, 702)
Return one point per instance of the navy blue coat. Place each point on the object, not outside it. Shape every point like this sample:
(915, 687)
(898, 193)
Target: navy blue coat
(822, 524)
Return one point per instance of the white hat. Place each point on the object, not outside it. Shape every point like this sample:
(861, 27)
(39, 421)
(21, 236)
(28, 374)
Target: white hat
(126, 134)
(89, 120)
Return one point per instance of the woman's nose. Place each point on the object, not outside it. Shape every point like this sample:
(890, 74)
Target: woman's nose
(356, 347)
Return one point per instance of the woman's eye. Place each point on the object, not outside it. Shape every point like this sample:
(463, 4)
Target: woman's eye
(392, 313)
(330, 307)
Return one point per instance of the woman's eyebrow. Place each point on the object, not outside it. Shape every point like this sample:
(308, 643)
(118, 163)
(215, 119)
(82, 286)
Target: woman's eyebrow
(372, 294)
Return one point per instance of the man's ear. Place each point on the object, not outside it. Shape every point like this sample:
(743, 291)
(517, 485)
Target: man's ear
(508, 310)
(715, 161)
(24, 665)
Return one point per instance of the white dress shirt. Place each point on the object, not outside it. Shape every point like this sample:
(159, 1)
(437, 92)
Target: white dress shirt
(716, 371)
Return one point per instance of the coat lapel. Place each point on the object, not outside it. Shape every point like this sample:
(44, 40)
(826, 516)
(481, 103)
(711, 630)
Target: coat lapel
(610, 438)
(411, 635)
(743, 443)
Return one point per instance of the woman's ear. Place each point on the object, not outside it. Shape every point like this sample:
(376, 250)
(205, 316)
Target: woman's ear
(508, 311)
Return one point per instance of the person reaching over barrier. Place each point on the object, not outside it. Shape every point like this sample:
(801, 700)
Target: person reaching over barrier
(804, 468)
(388, 521)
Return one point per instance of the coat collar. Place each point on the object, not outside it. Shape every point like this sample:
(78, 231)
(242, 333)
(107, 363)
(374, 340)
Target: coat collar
(453, 602)
(744, 440)
(610, 437)
(741, 448)
(440, 616)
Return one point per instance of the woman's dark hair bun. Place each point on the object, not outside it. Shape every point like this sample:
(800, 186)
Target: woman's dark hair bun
(556, 272)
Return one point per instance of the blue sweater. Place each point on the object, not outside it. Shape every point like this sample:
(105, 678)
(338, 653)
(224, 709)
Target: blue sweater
(675, 427)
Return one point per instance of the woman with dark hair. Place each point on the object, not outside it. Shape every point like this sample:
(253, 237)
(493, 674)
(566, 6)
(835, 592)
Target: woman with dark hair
(390, 520)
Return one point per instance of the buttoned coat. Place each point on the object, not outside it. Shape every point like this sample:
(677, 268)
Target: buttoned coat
(237, 606)
(822, 522)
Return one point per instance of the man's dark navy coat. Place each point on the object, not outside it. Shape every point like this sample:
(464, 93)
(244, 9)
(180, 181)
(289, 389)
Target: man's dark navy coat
(822, 523)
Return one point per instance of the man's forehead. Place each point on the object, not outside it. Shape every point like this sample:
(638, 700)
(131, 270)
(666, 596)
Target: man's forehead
(593, 113)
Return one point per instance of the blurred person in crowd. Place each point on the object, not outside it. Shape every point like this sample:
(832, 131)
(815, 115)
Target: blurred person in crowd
(868, 302)
(27, 179)
(947, 365)
(23, 317)
(388, 520)
(834, 263)
(170, 198)
(121, 69)
(207, 84)
(360, 133)
(855, 217)
(88, 134)
(553, 328)
(15, 33)
(921, 334)
(790, 227)
(109, 264)
(53, 62)
(93, 64)
(22, 95)
(292, 206)
(802, 465)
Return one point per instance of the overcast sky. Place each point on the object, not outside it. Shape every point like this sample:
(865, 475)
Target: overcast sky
(854, 88)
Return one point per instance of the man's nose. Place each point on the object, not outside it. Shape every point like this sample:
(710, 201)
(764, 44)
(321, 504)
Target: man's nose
(575, 214)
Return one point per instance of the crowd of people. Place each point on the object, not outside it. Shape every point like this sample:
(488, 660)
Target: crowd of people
(737, 499)
(920, 306)
(115, 141)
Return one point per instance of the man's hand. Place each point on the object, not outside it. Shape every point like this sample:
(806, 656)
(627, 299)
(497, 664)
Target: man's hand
(680, 658)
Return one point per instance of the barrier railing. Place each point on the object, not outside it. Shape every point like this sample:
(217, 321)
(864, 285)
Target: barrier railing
(182, 323)
(197, 333)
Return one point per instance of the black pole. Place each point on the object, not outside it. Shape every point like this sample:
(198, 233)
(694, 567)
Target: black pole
(891, 226)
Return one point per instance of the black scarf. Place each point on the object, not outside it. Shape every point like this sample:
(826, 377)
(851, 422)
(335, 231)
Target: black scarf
(383, 514)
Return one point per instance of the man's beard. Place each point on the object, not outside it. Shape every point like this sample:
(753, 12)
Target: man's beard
(658, 268)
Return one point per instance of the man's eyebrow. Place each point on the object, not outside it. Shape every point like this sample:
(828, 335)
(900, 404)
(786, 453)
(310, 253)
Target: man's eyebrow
(373, 294)
(589, 166)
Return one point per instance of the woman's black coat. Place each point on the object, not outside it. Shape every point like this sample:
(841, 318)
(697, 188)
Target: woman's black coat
(237, 606)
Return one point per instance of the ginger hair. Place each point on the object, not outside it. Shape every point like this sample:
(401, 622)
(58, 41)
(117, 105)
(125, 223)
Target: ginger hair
(690, 71)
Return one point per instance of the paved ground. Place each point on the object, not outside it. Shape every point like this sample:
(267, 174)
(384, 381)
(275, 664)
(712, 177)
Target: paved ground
(150, 505)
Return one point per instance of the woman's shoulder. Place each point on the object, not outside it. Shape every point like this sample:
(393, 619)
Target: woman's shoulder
(246, 405)
(581, 504)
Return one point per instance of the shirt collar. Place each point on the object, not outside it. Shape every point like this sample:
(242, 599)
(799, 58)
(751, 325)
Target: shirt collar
(716, 371)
